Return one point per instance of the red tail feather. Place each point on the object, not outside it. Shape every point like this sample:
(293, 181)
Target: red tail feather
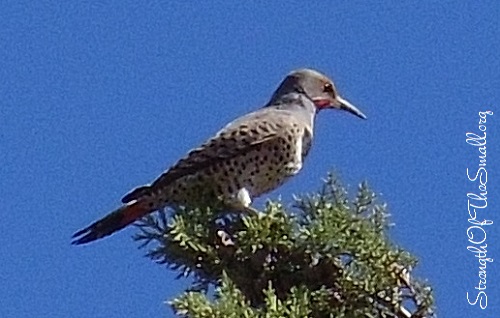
(112, 222)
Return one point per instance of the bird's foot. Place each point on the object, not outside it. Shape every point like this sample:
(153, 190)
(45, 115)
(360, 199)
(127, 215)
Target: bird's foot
(241, 202)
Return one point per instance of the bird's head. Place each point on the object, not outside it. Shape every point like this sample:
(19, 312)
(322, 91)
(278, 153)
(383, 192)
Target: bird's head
(317, 87)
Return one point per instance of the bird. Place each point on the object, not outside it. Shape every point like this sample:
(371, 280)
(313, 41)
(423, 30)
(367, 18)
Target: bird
(250, 156)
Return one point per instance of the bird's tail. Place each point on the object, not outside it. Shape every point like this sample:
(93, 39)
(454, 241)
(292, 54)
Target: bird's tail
(113, 222)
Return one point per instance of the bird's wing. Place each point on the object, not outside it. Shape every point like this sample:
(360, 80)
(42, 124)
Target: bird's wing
(239, 137)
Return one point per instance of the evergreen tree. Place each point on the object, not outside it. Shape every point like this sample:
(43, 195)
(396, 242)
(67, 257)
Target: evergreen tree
(326, 256)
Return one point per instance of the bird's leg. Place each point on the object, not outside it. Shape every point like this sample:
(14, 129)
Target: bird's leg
(238, 202)
(241, 201)
(252, 210)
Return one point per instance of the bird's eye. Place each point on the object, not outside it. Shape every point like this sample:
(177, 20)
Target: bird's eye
(328, 88)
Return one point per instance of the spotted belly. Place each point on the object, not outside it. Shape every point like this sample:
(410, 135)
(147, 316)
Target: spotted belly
(260, 170)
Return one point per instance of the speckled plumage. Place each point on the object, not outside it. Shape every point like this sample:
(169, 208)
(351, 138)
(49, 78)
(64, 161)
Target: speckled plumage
(252, 155)
(257, 153)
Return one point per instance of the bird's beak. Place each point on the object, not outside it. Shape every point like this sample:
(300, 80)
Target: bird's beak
(345, 105)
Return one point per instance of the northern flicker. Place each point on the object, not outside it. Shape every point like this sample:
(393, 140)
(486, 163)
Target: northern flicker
(252, 155)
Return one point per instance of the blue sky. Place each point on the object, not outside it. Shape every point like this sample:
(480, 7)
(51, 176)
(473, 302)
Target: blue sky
(97, 98)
